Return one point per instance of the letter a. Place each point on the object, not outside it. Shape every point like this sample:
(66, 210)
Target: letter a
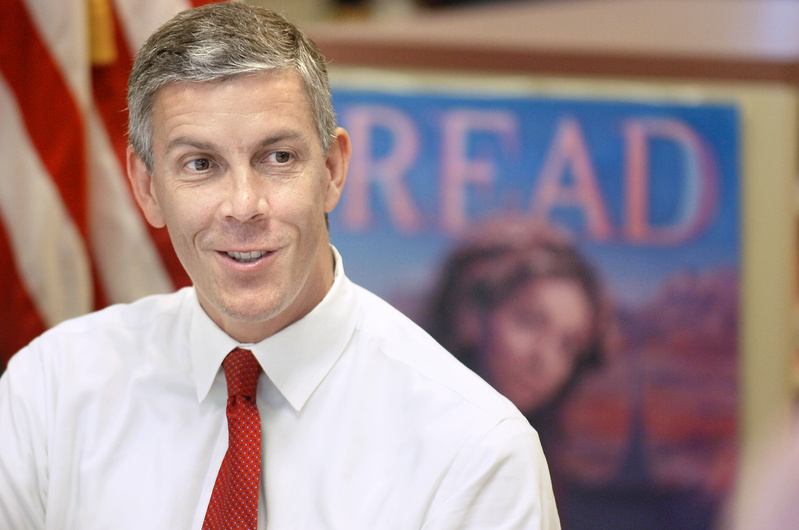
(568, 151)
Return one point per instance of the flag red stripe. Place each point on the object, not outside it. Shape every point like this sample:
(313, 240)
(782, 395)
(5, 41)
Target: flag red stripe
(19, 318)
(49, 111)
(109, 86)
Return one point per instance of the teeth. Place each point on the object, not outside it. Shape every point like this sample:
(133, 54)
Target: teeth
(246, 257)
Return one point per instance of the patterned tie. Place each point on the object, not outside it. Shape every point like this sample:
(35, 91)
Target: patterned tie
(234, 501)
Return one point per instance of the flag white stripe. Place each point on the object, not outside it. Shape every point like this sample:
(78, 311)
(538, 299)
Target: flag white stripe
(63, 28)
(127, 259)
(141, 17)
(48, 249)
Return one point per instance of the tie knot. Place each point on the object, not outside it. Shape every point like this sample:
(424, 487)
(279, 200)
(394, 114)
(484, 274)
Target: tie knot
(241, 372)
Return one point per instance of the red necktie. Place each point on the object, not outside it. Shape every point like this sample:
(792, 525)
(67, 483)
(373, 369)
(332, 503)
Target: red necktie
(234, 501)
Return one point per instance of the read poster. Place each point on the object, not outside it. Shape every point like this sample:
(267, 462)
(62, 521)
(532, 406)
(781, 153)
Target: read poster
(582, 255)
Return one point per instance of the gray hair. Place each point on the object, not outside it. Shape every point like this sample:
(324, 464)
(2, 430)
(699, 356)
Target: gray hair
(216, 42)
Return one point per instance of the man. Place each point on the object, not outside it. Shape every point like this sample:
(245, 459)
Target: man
(137, 416)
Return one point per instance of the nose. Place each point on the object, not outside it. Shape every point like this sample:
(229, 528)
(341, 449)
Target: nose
(546, 349)
(246, 197)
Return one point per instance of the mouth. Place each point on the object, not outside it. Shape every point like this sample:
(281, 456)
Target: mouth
(247, 257)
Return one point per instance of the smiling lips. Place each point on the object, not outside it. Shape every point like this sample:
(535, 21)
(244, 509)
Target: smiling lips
(247, 257)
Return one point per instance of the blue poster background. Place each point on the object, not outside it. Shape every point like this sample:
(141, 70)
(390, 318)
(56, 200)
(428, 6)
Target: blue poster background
(650, 192)
(388, 260)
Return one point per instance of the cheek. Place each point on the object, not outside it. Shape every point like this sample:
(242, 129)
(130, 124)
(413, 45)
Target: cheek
(507, 342)
(307, 214)
(295, 201)
(512, 348)
(186, 216)
(559, 367)
(179, 218)
(295, 216)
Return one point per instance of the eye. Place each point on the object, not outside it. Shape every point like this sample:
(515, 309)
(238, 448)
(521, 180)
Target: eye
(199, 164)
(281, 157)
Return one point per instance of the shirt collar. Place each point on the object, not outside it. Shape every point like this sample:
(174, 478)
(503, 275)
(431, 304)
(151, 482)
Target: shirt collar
(297, 358)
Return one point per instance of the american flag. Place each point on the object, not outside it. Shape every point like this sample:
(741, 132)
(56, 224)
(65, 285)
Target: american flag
(71, 236)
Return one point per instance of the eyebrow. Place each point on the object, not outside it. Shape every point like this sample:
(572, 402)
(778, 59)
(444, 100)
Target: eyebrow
(282, 136)
(185, 141)
(278, 137)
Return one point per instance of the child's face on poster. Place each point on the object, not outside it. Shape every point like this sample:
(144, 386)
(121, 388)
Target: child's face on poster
(534, 338)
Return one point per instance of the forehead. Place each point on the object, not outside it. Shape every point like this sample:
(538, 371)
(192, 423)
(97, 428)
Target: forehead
(563, 297)
(271, 94)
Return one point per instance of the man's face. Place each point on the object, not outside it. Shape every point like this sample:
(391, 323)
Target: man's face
(242, 185)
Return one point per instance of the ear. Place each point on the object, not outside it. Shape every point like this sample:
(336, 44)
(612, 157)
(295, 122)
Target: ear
(337, 163)
(142, 183)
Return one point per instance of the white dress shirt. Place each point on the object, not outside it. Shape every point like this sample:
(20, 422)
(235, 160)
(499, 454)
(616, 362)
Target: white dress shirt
(117, 420)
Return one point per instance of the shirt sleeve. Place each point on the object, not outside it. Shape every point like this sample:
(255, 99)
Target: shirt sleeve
(500, 481)
(23, 470)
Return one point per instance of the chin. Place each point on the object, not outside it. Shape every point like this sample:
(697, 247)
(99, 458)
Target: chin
(250, 307)
(527, 401)
(251, 313)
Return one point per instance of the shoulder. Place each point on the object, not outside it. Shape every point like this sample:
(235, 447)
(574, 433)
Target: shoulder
(415, 355)
(144, 312)
(120, 330)
(481, 444)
